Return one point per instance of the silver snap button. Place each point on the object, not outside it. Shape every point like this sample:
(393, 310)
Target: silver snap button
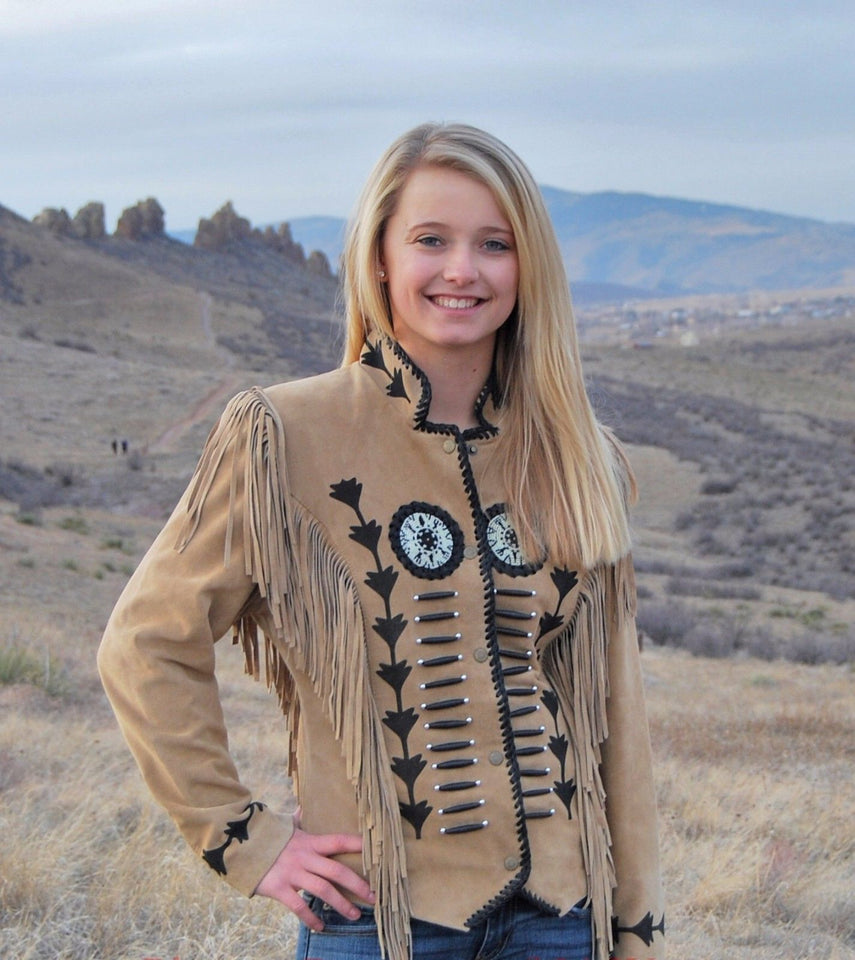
(470, 552)
(449, 446)
(512, 863)
(481, 654)
(496, 757)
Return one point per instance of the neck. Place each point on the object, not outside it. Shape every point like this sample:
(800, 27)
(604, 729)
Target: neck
(456, 380)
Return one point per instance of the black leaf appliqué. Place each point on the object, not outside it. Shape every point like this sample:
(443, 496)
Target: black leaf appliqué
(564, 787)
(235, 830)
(401, 722)
(372, 356)
(367, 534)
(644, 929)
(395, 674)
(347, 491)
(396, 387)
(416, 814)
(564, 581)
(390, 629)
(382, 580)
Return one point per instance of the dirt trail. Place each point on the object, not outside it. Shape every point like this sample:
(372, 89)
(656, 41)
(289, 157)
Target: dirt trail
(212, 402)
(206, 409)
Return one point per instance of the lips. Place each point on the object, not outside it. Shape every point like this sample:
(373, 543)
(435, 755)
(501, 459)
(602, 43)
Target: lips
(456, 303)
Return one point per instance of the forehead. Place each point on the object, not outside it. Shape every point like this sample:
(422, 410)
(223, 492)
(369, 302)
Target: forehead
(440, 193)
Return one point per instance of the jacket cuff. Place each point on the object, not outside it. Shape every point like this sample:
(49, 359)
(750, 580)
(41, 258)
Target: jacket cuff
(645, 941)
(249, 845)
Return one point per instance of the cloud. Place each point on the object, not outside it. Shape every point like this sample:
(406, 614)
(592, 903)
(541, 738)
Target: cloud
(283, 105)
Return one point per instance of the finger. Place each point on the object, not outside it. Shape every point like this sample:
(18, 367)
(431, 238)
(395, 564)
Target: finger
(340, 875)
(332, 844)
(298, 906)
(333, 898)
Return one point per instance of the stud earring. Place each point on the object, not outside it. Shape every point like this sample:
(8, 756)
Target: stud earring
(381, 274)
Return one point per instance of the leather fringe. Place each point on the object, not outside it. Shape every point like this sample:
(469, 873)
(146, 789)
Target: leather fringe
(576, 663)
(315, 612)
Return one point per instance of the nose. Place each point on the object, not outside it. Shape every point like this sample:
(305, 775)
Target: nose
(460, 265)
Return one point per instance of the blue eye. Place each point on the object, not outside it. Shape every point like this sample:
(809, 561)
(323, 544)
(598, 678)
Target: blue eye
(429, 241)
(496, 246)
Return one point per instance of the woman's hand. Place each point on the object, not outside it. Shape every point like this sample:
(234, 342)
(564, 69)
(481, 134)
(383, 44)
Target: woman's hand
(305, 864)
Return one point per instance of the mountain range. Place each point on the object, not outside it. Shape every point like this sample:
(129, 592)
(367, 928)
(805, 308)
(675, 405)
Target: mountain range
(632, 245)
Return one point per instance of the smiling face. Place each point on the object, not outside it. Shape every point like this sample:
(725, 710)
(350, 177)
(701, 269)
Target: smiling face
(451, 267)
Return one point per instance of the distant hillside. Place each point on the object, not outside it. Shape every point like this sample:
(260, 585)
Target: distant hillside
(619, 245)
(160, 298)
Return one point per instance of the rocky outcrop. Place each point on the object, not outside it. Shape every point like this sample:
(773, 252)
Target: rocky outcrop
(223, 230)
(282, 242)
(319, 264)
(227, 230)
(55, 220)
(142, 222)
(88, 222)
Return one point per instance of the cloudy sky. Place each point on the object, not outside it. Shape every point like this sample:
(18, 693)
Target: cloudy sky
(282, 106)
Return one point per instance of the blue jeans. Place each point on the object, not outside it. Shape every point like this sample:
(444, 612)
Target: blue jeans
(516, 931)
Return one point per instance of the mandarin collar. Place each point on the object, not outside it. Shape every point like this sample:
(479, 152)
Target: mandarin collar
(407, 385)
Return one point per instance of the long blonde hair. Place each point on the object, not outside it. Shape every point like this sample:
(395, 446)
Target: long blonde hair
(567, 481)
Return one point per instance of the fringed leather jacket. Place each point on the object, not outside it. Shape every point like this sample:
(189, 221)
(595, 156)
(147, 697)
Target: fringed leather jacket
(479, 719)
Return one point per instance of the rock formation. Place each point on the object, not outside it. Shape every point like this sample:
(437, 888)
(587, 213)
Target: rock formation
(227, 230)
(55, 220)
(319, 264)
(222, 230)
(141, 222)
(282, 242)
(88, 222)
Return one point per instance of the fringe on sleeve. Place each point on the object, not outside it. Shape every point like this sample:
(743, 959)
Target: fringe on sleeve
(315, 612)
(576, 663)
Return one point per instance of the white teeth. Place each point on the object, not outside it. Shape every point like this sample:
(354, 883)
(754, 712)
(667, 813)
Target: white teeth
(455, 303)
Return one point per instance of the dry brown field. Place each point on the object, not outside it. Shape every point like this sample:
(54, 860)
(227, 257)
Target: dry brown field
(754, 747)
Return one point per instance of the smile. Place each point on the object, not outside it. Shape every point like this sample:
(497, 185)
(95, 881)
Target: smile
(456, 303)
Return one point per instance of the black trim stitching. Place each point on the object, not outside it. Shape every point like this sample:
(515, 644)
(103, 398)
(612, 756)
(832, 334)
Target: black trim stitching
(492, 643)
(483, 431)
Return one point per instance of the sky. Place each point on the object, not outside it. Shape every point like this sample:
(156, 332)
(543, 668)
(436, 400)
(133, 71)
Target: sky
(283, 106)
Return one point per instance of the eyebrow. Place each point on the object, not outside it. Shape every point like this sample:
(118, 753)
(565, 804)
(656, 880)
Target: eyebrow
(438, 225)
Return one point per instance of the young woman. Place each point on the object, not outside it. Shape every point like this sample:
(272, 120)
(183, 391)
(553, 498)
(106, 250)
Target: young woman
(433, 542)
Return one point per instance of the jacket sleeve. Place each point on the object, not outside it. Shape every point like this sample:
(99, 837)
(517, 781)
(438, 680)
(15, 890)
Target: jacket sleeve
(156, 661)
(639, 923)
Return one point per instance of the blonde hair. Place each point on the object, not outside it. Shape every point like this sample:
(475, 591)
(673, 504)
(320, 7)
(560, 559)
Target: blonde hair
(567, 481)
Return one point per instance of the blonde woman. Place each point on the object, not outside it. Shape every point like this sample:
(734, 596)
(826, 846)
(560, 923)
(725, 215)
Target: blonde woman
(431, 543)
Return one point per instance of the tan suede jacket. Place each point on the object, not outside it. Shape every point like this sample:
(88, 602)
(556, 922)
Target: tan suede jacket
(479, 720)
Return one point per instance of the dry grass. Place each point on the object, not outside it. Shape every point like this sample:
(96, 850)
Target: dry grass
(754, 763)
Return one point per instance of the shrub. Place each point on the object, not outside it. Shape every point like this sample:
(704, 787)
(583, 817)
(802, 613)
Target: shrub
(665, 623)
(713, 638)
(74, 524)
(135, 460)
(70, 344)
(709, 587)
(733, 569)
(714, 487)
(20, 665)
(66, 474)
